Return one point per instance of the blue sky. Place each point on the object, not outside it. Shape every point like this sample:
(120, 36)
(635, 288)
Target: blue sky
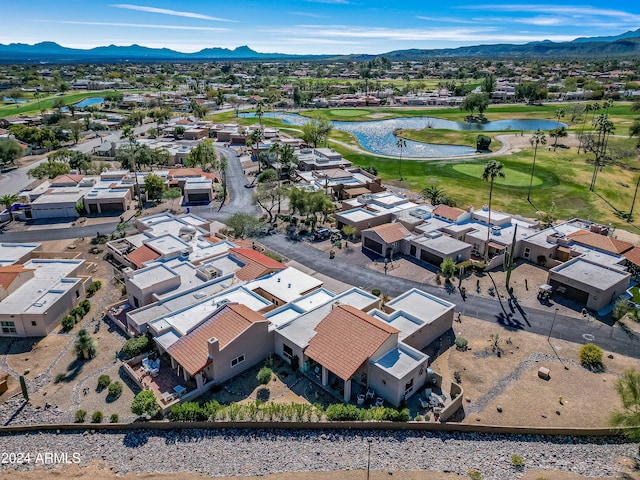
(309, 26)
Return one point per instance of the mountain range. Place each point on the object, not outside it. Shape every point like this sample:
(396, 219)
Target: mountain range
(624, 45)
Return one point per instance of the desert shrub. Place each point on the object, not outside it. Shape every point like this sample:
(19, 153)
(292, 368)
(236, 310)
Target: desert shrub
(375, 292)
(97, 417)
(68, 322)
(60, 377)
(264, 375)
(474, 474)
(590, 355)
(517, 460)
(115, 390)
(137, 345)
(386, 414)
(462, 344)
(95, 285)
(145, 403)
(189, 412)
(621, 308)
(77, 312)
(340, 412)
(80, 415)
(114, 418)
(85, 305)
(103, 381)
(419, 418)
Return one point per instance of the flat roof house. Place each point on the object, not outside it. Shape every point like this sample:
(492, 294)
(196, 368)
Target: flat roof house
(590, 284)
(36, 295)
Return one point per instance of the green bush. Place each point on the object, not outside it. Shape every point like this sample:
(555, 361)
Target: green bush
(340, 412)
(189, 412)
(462, 344)
(474, 474)
(85, 305)
(145, 403)
(80, 415)
(96, 285)
(137, 345)
(517, 461)
(590, 355)
(375, 292)
(97, 417)
(264, 375)
(103, 381)
(114, 418)
(60, 377)
(77, 313)
(115, 390)
(68, 322)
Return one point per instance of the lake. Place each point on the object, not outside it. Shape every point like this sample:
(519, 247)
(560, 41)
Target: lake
(377, 135)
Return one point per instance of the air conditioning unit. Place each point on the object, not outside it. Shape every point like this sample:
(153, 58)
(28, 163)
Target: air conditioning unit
(211, 272)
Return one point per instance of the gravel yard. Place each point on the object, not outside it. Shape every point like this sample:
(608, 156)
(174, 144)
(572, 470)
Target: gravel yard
(244, 453)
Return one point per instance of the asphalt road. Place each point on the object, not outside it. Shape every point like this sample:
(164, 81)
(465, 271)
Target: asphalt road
(540, 321)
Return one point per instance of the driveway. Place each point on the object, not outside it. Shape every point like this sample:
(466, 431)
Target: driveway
(240, 198)
(536, 320)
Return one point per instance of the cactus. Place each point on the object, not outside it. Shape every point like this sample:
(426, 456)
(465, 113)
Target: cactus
(23, 386)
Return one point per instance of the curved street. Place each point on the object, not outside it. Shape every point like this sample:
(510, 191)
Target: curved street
(539, 321)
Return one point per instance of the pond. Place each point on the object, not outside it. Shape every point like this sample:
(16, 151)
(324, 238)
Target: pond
(89, 101)
(377, 135)
(14, 100)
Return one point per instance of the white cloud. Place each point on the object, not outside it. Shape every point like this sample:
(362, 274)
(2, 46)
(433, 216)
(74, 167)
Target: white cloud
(571, 11)
(307, 14)
(136, 25)
(443, 34)
(165, 11)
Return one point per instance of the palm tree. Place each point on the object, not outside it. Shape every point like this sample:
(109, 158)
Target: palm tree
(256, 137)
(536, 139)
(605, 127)
(491, 171)
(432, 193)
(8, 200)
(400, 143)
(259, 112)
(628, 389)
(276, 150)
(559, 113)
(587, 108)
(129, 134)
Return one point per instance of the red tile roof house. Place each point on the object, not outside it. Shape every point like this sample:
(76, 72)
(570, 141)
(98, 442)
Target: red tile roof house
(351, 346)
(233, 339)
(384, 239)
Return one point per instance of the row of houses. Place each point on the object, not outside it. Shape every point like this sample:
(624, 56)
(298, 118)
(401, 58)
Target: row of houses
(213, 315)
(586, 264)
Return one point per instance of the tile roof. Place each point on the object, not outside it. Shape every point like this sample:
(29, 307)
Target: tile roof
(256, 264)
(601, 242)
(67, 178)
(175, 173)
(447, 212)
(346, 338)
(142, 255)
(389, 232)
(9, 273)
(227, 323)
(633, 255)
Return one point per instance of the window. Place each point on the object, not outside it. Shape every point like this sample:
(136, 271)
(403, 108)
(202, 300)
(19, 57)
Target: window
(33, 323)
(408, 387)
(287, 351)
(135, 302)
(77, 294)
(237, 360)
(527, 252)
(8, 327)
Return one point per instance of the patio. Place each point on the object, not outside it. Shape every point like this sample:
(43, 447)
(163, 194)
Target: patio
(165, 384)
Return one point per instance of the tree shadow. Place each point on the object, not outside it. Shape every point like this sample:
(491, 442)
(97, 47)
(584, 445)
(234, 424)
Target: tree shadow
(74, 369)
(263, 394)
(509, 322)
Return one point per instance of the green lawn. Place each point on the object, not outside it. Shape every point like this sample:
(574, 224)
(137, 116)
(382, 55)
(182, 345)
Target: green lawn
(349, 112)
(513, 177)
(33, 106)
(561, 177)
